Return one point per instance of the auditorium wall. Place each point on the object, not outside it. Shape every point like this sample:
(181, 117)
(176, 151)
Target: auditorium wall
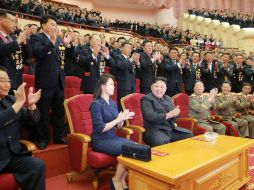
(232, 35)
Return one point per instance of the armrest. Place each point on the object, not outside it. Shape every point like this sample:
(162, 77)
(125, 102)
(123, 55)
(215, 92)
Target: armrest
(138, 131)
(187, 123)
(128, 132)
(136, 127)
(80, 137)
(29, 145)
(217, 118)
(78, 149)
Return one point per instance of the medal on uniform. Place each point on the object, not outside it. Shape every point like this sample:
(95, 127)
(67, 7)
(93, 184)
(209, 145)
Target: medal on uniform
(62, 55)
(17, 57)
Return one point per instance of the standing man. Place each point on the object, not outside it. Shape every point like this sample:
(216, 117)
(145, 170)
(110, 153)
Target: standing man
(49, 76)
(173, 73)
(148, 67)
(192, 73)
(126, 72)
(10, 49)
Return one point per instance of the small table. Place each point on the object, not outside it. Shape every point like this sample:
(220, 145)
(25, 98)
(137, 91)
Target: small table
(193, 165)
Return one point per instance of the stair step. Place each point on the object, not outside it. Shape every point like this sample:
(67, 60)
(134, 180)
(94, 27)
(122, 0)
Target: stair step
(56, 158)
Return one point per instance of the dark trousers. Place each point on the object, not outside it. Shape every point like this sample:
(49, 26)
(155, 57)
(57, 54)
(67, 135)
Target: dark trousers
(51, 104)
(160, 137)
(145, 90)
(29, 172)
(173, 91)
(120, 94)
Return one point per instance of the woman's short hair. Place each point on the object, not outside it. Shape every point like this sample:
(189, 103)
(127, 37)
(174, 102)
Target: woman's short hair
(101, 81)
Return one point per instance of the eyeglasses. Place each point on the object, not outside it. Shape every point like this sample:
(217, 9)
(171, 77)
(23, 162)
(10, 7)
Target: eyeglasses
(5, 81)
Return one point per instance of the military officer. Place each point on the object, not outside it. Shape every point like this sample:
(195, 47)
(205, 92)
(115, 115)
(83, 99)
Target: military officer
(199, 108)
(245, 102)
(224, 105)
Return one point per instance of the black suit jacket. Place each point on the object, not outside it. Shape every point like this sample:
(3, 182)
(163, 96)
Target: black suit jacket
(189, 76)
(10, 123)
(125, 74)
(211, 78)
(147, 71)
(154, 114)
(7, 61)
(48, 71)
(91, 70)
(173, 73)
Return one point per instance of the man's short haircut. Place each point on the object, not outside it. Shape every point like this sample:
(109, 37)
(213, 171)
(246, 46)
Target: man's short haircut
(226, 82)
(125, 43)
(3, 69)
(44, 19)
(121, 38)
(3, 13)
(159, 78)
(208, 52)
(173, 49)
(196, 52)
(33, 25)
(145, 42)
(247, 84)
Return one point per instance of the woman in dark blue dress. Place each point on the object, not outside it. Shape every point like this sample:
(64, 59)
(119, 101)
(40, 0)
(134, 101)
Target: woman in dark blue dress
(105, 118)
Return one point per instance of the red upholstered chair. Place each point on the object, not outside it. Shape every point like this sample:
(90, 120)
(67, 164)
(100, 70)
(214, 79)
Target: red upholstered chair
(7, 181)
(30, 82)
(182, 100)
(82, 156)
(72, 86)
(114, 97)
(132, 102)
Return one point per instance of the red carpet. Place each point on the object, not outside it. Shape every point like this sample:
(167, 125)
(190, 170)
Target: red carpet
(83, 182)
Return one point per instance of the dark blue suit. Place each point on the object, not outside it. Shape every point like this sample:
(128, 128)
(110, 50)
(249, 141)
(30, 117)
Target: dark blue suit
(29, 172)
(174, 76)
(91, 70)
(159, 130)
(49, 76)
(106, 142)
(7, 61)
(125, 76)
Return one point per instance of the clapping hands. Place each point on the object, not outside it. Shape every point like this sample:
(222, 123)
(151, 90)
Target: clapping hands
(124, 115)
(33, 98)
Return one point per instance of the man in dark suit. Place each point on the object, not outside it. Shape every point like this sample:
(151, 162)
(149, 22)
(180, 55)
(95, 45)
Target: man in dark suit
(49, 77)
(159, 113)
(211, 72)
(90, 61)
(29, 172)
(10, 51)
(149, 63)
(173, 73)
(192, 73)
(126, 72)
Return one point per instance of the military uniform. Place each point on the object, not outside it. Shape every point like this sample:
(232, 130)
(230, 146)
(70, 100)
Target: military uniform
(224, 106)
(199, 108)
(242, 107)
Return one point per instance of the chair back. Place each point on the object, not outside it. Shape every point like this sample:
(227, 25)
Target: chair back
(132, 102)
(72, 86)
(182, 100)
(78, 114)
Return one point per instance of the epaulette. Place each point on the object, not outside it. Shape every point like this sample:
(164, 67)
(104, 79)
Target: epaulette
(193, 95)
(238, 94)
(205, 94)
(232, 93)
(219, 94)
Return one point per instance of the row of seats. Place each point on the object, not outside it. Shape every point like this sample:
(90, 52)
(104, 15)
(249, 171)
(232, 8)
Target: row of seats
(82, 156)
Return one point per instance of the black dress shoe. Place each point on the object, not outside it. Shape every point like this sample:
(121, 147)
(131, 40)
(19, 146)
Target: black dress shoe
(126, 188)
(42, 145)
(60, 141)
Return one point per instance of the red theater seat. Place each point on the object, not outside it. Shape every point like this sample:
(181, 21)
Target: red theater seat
(72, 86)
(81, 154)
